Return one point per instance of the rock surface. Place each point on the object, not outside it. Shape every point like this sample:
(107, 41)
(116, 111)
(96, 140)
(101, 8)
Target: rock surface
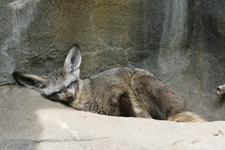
(181, 42)
(29, 121)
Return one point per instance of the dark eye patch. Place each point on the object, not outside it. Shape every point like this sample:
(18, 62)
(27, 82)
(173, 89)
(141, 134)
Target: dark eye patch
(57, 92)
(71, 84)
(53, 96)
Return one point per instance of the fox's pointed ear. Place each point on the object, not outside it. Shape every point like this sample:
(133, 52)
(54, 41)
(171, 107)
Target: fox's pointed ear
(30, 80)
(73, 59)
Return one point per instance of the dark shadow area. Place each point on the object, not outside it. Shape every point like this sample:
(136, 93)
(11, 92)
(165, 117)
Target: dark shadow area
(221, 100)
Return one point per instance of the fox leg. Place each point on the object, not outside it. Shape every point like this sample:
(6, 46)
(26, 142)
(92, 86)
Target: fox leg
(130, 107)
(160, 101)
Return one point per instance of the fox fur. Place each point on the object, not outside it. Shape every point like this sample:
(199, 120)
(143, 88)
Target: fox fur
(121, 91)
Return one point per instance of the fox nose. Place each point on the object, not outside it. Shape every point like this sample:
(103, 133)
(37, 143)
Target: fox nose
(70, 98)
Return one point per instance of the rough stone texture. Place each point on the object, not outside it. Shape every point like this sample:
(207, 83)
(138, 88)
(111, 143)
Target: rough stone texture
(182, 42)
(29, 121)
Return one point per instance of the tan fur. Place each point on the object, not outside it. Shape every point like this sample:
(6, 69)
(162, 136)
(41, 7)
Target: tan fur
(186, 117)
(120, 91)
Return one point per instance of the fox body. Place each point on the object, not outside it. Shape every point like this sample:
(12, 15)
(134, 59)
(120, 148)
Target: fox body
(121, 91)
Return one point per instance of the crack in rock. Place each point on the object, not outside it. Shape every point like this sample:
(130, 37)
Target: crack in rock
(53, 140)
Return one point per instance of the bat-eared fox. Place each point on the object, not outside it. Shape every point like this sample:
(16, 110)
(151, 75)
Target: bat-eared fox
(121, 91)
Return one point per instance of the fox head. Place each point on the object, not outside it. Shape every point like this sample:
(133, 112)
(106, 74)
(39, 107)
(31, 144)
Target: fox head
(61, 85)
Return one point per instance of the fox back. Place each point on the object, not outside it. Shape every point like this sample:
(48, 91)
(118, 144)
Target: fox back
(121, 91)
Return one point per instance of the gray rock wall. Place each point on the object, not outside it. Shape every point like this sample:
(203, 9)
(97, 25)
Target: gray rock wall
(179, 41)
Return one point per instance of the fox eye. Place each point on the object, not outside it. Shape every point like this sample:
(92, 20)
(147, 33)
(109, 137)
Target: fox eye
(57, 92)
(71, 84)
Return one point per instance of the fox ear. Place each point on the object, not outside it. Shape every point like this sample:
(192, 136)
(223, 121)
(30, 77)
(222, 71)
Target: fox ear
(30, 80)
(73, 59)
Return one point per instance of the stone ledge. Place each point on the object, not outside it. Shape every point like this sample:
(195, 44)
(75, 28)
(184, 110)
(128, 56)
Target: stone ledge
(29, 121)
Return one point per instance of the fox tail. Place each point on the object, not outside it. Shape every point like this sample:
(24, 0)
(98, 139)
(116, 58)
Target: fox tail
(186, 117)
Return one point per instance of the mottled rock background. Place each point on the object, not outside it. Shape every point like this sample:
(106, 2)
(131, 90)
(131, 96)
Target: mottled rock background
(182, 42)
